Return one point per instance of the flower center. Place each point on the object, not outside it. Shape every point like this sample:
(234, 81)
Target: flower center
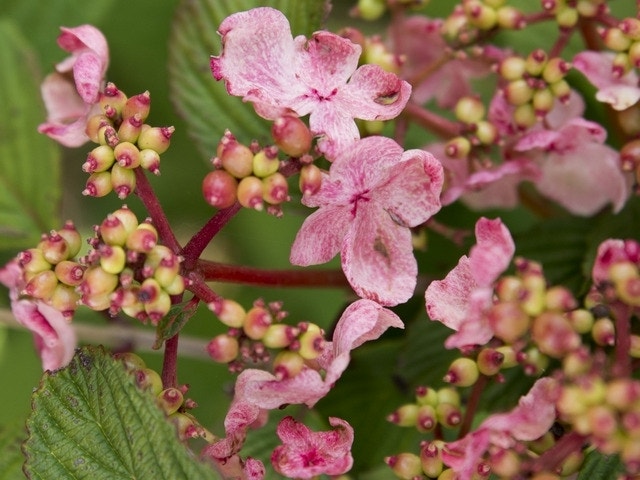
(357, 198)
(321, 97)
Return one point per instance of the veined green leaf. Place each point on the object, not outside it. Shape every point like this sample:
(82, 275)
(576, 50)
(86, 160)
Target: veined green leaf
(91, 421)
(29, 161)
(204, 103)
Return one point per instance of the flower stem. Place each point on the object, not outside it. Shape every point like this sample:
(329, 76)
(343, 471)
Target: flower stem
(431, 121)
(220, 272)
(622, 359)
(472, 405)
(170, 362)
(194, 248)
(150, 200)
(553, 458)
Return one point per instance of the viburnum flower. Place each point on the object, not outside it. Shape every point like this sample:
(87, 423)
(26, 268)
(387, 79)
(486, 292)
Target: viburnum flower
(54, 337)
(531, 419)
(435, 73)
(620, 91)
(305, 454)
(69, 104)
(460, 299)
(264, 64)
(373, 194)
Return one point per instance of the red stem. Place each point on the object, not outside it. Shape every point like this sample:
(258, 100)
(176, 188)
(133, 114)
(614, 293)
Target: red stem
(194, 248)
(472, 405)
(150, 200)
(622, 359)
(170, 362)
(553, 458)
(431, 121)
(219, 272)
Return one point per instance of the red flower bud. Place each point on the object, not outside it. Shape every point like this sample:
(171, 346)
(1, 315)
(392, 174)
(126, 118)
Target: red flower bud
(250, 193)
(137, 105)
(70, 273)
(310, 179)
(275, 189)
(256, 322)
(291, 135)
(170, 400)
(143, 238)
(219, 189)
(54, 247)
(235, 158)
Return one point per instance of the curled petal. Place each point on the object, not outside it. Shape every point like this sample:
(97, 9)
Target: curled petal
(314, 242)
(493, 251)
(448, 300)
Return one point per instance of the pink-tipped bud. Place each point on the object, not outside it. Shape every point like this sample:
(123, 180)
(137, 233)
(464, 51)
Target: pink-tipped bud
(458, 147)
(505, 463)
(310, 180)
(98, 185)
(518, 92)
(462, 372)
(560, 299)
(604, 332)
(143, 238)
(112, 100)
(311, 342)
(426, 396)
(170, 400)
(112, 258)
(250, 193)
(431, 458)
(229, 312)
(275, 189)
(94, 125)
(554, 335)
(113, 231)
(156, 301)
(107, 135)
(127, 155)
(536, 61)
(427, 418)
(448, 415)
(150, 160)
(176, 287)
(510, 18)
(33, 261)
(480, 15)
(155, 138)
(486, 132)
(508, 321)
(130, 128)
(543, 101)
(72, 237)
(279, 335)
(287, 364)
(41, 285)
(490, 361)
(97, 282)
(448, 395)
(123, 181)
(137, 105)
(235, 158)
(70, 273)
(256, 322)
(130, 361)
(524, 116)
(219, 189)
(512, 68)
(99, 159)
(469, 110)
(265, 164)
(405, 465)
(64, 299)
(630, 26)
(405, 415)
(54, 247)
(291, 135)
(147, 379)
(555, 70)
(128, 219)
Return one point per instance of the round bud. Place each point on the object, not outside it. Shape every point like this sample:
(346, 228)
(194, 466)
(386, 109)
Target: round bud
(486, 132)
(508, 321)
(279, 335)
(54, 247)
(512, 68)
(256, 322)
(41, 285)
(33, 261)
(64, 299)
(448, 395)
(567, 18)
(143, 238)
(139, 105)
(462, 372)
(130, 360)
(287, 364)
(250, 193)
(291, 135)
(510, 18)
(405, 415)
(107, 135)
(458, 148)
(130, 128)
(524, 116)
(98, 184)
(127, 155)
(265, 164)
(554, 335)
(536, 61)
(170, 400)
(97, 282)
(604, 331)
(235, 158)
(150, 160)
(112, 99)
(229, 312)
(555, 70)
(370, 9)
(95, 124)
(518, 92)
(219, 189)
(405, 465)
(275, 189)
(112, 258)
(123, 181)
(431, 459)
(128, 219)
(469, 110)
(311, 342)
(70, 273)
(490, 361)
(155, 138)
(310, 180)
(426, 396)
(148, 379)
(448, 415)
(99, 159)
(427, 418)
(72, 237)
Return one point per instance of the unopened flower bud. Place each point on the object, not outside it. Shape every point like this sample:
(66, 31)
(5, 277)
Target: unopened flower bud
(405, 415)
(577, 362)
(630, 26)
(155, 138)
(170, 400)
(95, 125)
(581, 320)
(554, 335)
(448, 415)
(150, 160)
(458, 147)
(250, 193)
(510, 357)
(604, 332)
(143, 238)
(112, 258)
(543, 101)
(98, 184)
(69, 272)
(512, 68)
(33, 261)
(508, 321)
(462, 372)
(97, 303)
(275, 188)
(279, 335)
(99, 159)
(510, 18)
(524, 116)
(113, 231)
(127, 155)
(230, 312)
(265, 164)
(219, 189)
(486, 132)
(41, 285)
(534, 362)
(505, 463)
(448, 395)
(490, 361)
(406, 466)
(310, 180)
(469, 110)
(426, 396)
(536, 61)
(480, 15)
(112, 100)
(311, 342)
(431, 459)
(176, 287)
(518, 92)
(148, 379)
(370, 9)
(287, 364)
(555, 70)
(235, 158)
(622, 393)
(291, 135)
(426, 419)
(97, 282)
(130, 128)
(54, 247)
(256, 322)
(130, 360)
(107, 135)
(123, 181)
(137, 105)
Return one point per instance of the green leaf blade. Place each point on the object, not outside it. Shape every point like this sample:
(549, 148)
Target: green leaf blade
(89, 420)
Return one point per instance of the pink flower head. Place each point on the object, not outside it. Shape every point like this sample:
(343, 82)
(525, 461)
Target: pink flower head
(53, 336)
(612, 251)
(620, 91)
(373, 194)
(69, 104)
(531, 419)
(460, 299)
(264, 64)
(578, 170)
(305, 454)
(362, 321)
(449, 81)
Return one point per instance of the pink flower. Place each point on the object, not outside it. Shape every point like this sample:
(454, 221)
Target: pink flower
(305, 454)
(450, 80)
(578, 170)
(264, 64)
(69, 105)
(53, 336)
(531, 419)
(460, 299)
(373, 194)
(620, 91)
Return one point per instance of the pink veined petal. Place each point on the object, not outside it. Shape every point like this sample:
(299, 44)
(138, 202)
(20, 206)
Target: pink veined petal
(537, 139)
(586, 180)
(321, 236)
(493, 251)
(253, 469)
(563, 113)
(337, 129)
(374, 94)
(258, 57)
(475, 329)
(447, 300)
(377, 258)
(84, 36)
(88, 74)
(412, 194)
(463, 455)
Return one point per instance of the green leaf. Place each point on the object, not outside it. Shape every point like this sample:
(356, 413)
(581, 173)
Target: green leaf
(600, 467)
(173, 322)
(89, 420)
(203, 102)
(11, 458)
(29, 161)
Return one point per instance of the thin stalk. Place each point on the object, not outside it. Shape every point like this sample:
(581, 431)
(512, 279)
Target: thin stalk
(170, 362)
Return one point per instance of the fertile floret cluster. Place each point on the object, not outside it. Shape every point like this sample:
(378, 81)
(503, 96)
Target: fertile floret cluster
(125, 143)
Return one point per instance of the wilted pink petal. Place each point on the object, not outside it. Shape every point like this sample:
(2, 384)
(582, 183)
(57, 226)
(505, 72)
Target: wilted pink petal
(531, 419)
(460, 299)
(261, 62)
(53, 335)
(621, 92)
(69, 104)
(373, 194)
(305, 454)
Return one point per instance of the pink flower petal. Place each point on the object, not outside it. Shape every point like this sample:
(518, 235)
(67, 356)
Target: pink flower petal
(492, 253)
(448, 300)
(314, 242)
